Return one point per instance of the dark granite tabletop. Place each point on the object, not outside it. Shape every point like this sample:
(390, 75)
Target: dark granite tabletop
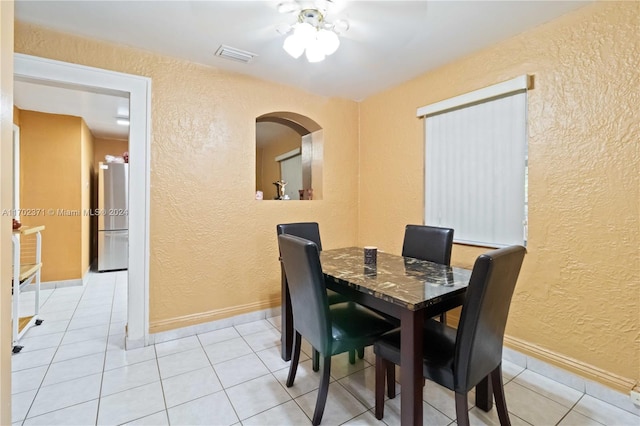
(405, 281)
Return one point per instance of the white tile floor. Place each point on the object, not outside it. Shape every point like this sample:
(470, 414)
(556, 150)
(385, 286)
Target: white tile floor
(73, 371)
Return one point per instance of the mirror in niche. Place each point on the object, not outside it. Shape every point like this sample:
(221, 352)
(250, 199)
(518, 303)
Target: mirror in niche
(288, 157)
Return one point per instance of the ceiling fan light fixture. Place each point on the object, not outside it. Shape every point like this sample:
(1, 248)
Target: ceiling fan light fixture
(312, 35)
(329, 41)
(293, 46)
(304, 32)
(315, 51)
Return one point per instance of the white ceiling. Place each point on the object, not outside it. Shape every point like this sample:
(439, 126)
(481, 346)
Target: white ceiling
(99, 110)
(388, 42)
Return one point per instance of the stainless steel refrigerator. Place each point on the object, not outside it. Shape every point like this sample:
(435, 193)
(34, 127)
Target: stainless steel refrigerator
(113, 216)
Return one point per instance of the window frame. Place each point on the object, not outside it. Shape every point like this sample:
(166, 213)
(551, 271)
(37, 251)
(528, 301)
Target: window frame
(498, 91)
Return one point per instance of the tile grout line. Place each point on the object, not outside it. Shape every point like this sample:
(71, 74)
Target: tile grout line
(217, 378)
(269, 373)
(164, 396)
(583, 394)
(571, 410)
(336, 381)
(104, 361)
(268, 369)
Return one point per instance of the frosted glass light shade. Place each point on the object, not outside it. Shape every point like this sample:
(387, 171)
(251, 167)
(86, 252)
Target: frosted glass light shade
(329, 41)
(315, 51)
(293, 46)
(305, 32)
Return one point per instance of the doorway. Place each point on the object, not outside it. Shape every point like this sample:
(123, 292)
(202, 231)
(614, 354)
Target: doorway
(138, 89)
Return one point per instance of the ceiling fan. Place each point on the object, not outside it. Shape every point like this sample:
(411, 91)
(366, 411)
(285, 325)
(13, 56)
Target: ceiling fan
(312, 33)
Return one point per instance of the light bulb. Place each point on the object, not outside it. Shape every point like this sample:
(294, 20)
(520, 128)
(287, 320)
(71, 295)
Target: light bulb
(329, 41)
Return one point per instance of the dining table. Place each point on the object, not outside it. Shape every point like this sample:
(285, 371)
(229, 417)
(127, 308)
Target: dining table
(404, 289)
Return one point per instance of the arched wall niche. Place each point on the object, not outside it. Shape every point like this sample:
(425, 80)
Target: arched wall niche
(288, 157)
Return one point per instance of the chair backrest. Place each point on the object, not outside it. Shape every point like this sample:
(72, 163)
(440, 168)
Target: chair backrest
(309, 302)
(428, 243)
(307, 230)
(484, 315)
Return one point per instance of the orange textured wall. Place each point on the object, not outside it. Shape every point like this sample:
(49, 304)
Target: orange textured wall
(50, 164)
(212, 246)
(578, 297)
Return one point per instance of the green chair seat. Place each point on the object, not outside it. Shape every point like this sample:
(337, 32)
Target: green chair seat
(330, 329)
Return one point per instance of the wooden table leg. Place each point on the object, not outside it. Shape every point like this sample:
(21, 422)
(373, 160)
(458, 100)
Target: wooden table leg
(411, 366)
(286, 316)
(484, 395)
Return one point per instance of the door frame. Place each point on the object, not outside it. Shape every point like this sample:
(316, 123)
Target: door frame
(138, 88)
(16, 171)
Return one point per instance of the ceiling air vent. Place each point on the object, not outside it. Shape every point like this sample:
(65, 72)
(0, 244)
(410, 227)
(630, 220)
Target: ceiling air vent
(235, 54)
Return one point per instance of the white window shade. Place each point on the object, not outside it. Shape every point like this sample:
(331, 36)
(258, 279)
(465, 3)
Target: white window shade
(475, 169)
(291, 173)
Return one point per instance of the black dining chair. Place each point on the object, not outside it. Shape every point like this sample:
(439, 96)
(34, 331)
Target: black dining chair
(430, 243)
(311, 231)
(331, 329)
(460, 359)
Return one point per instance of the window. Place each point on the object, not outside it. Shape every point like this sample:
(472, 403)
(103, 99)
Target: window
(476, 164)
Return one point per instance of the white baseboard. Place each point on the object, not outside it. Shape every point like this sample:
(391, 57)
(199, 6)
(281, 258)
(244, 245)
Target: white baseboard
(52, 285)
(85, 277)
(178, 333)
(597, 390)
